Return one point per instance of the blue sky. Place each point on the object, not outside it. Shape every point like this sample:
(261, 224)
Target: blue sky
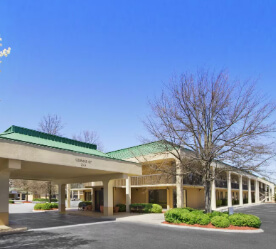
(97, 63)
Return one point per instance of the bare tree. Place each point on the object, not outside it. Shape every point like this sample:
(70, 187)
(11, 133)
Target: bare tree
(89, 137)
(26, 186)
(34, 187)
(51, 124)
(216, 120)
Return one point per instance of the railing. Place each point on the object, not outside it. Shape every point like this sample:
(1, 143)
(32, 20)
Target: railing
(221, 183)
(234, 185)
(192, 179)
(154, 179)
(245, 187)
(157, 179)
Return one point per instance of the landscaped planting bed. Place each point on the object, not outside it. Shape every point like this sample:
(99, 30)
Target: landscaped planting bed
(197, 218)
(46, 206)
(145, 208)
(45, 200)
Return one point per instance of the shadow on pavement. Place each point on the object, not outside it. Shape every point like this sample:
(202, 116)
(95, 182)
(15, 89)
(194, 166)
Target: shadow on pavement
(51, 219)
(46, 240)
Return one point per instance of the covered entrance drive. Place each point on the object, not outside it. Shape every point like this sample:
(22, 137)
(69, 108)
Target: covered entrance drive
(32, 155)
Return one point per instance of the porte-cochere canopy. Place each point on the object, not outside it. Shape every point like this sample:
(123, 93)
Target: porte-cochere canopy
(33, 155)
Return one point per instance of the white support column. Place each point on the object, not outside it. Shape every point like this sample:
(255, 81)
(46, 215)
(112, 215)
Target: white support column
(128, 193)
(273, 193)
(61, 198)
(229, 189)
(92, 191)
(4, 198)
(249, 191)
(240, 190)
(179, 186)
(269, 193)
(68, 196)
(108, 197)
(78, 194)
(257, 197)
(213, 192)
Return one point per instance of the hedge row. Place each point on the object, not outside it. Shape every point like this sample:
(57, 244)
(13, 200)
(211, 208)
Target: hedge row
(218, 219)
(45, 206)
(147, 207)
(122, 207)
(11, 201)
(45, 200)
(84, 203)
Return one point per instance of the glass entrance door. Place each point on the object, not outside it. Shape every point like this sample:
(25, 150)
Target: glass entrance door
(98, 199)
(158, 196)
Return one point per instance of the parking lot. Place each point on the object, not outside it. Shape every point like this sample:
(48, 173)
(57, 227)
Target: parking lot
(65, 231)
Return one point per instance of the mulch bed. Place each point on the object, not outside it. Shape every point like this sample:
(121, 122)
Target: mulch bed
(231, 227)
(26, 202)
(46, 210)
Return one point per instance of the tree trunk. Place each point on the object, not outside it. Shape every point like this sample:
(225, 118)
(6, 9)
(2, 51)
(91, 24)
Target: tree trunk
(179, 187)
(50, 191)
(208, 191)
(27, 196)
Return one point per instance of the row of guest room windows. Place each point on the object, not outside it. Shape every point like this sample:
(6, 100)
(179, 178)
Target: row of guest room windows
(235, 195)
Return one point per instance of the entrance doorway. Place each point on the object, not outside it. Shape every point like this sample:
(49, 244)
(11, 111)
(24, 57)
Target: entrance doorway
(98, 199)
(158, 196)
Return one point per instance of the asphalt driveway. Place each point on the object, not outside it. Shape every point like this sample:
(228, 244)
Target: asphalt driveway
(129, 234)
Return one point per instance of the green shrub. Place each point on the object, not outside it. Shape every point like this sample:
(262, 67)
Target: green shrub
(173, 215)
(156, 208)
(215, 213)
(54, 205)
(11, 201)
(84, 204)
(220, 221)
(45, 206)
(245, 220)
(190, 209)
(147, 207)
(203, 219)
(188, 218)
(45, 200)
(218, 203)
(38, 206)
(122, 207)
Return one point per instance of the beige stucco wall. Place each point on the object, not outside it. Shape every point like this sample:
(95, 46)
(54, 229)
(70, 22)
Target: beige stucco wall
(119, 196)
(139, 195)
(195, 198)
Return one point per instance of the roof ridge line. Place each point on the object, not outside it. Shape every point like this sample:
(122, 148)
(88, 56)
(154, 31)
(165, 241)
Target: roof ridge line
(133, 146)
(14, 127)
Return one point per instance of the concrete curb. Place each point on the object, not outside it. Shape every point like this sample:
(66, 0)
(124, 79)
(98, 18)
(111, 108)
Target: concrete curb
(215, 230)
(12, 230)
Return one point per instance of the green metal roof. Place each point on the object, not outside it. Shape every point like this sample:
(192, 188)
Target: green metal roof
(43, 139)
(139, 150)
